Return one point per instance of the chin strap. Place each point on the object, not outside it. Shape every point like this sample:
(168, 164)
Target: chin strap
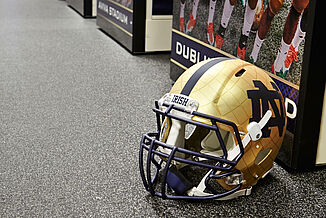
(199, 191)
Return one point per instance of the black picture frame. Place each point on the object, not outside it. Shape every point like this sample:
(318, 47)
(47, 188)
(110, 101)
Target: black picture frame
(131, 35)
(311, 95)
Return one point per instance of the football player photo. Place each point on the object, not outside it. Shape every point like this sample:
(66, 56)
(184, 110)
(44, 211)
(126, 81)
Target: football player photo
(267, 33)
(192, 16)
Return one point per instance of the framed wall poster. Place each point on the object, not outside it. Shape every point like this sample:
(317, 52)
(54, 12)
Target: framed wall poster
(139, 26)
(275, 35)
(116, 17)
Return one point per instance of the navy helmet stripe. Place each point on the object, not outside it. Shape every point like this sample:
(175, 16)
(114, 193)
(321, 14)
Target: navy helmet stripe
(198, 74)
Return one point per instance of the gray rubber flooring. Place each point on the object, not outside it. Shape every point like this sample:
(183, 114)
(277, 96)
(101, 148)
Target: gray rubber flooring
(73, 106)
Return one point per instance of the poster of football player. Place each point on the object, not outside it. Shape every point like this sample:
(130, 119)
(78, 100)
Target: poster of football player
(272, 34)
(267, 33)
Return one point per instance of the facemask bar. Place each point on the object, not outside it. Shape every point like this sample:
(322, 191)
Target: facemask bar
(150, 142)
(149, 182)
(213, 126)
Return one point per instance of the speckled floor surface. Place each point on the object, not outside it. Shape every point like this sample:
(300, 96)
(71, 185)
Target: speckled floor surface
(73, 105)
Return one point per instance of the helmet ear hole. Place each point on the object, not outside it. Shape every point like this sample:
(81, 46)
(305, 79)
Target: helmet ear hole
(262, 155)
(240, 72)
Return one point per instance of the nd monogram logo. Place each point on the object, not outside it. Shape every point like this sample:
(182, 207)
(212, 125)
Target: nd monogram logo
(261, 99)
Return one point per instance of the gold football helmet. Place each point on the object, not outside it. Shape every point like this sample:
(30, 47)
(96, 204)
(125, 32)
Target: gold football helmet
(219, 131)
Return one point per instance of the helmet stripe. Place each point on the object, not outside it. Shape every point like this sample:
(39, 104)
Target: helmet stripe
(198, 74)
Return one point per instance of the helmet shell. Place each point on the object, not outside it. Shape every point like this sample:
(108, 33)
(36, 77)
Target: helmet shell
(240, 92)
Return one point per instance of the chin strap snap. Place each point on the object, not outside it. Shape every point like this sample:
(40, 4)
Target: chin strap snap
(254, 129)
